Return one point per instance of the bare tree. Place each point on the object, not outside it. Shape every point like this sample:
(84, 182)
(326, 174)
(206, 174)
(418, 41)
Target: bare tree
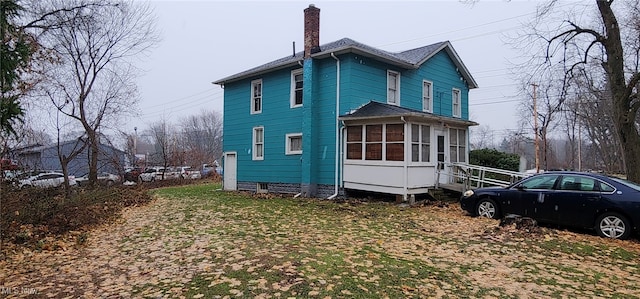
(578, 44)
(92, 77)
(201, 137)
(482, 137)
(67, 152)
(163, 137)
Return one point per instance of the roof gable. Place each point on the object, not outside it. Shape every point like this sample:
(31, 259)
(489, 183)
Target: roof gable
(410, 59)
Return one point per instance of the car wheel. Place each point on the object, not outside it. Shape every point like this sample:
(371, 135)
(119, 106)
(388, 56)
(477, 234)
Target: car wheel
(487, 207)
(110, 183)
(613, 225)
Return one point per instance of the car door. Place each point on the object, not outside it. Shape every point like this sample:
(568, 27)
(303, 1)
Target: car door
(528, 196)
(574, 202)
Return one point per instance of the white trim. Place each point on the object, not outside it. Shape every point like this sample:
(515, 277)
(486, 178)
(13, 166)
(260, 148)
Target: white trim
(287, 144)
(253, 97)
(429, 107)
(254, 144)
(396, 87)
(292, 102)
(456, 110)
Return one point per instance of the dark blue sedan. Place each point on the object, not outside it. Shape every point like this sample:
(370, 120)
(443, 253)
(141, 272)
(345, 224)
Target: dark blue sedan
(609, 205)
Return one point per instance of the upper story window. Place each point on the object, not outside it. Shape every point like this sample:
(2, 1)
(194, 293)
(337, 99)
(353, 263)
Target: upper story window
(296, 88)
(256, 96)
(427, 96)
(258, 143)
(456, 102)
(393, 88)
(293, 144)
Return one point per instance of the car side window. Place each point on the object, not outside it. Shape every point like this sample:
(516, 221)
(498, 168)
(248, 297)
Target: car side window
(578, 183)
(604, 187)
(540, 182)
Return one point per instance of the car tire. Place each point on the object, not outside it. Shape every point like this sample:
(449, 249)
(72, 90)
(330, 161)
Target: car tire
(110, 183)
(613, 225)
(487, 207)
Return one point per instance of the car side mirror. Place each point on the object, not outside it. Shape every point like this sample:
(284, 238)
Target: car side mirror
(520, 187)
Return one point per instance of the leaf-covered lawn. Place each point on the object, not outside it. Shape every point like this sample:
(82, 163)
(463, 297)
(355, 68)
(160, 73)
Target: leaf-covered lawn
(197, 242)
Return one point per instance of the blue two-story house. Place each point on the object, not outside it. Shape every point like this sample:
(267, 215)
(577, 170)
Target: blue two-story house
(344, 115)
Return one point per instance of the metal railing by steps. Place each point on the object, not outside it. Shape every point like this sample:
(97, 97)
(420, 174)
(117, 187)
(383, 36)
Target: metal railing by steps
(462, 176)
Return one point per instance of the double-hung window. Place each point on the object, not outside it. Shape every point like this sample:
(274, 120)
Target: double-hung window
(427, 96)
(258, 143)
(458, 145)
(293, 144)
(456, 102)
(420, 143)
(393, 88)
(256, 96)
(296, 88)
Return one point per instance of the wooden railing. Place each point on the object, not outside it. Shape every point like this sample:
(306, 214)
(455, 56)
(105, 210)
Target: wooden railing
(473, 176)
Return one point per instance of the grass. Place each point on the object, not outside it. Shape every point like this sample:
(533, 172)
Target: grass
(283, 247)
(199, 242)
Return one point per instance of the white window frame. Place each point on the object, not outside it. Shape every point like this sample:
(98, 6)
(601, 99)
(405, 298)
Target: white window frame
(294, 73)
(254, 96)
(256, 144)
(288, 150)
(458, 147)
(395, 90)
(427, 96)
(421, 142)
(456, 102)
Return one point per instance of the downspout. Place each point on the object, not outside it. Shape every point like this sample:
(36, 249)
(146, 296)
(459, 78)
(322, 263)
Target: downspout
(337, 166)
(343, 128)
(405, 173)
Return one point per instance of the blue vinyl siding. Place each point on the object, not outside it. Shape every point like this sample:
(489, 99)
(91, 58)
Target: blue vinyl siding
(362, 79)
(277, 118)
(368, 82)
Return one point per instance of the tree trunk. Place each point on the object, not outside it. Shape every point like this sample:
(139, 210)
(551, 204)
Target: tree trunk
(92, 140)
(623, 116)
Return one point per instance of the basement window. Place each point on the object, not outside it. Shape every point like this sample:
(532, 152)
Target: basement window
(262, 188)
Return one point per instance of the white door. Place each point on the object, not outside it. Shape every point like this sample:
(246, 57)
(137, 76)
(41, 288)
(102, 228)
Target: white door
(442, 157)
(230, 179)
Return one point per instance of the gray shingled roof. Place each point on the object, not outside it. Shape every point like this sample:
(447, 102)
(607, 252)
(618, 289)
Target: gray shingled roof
(375, 109)
(409, 59)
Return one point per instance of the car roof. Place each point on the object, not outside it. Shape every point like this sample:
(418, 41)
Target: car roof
(567, 172)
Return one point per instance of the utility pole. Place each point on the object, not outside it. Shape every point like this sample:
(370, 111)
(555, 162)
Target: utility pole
(535, 126)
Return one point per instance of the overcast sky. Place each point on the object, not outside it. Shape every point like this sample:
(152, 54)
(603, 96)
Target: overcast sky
(203, 41)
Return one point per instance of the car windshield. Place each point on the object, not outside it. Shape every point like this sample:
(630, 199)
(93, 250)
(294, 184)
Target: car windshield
(629, 184)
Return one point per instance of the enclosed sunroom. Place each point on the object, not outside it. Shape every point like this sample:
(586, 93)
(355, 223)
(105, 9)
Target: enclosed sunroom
(395, 150)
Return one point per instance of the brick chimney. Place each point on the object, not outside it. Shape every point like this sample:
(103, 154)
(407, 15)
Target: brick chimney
(311, 30)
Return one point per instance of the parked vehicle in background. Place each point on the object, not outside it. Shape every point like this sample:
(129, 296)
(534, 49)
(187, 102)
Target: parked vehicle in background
(159, 173)
(149, 174)
(132, 174)
(104, 178)
(187, 173)
(211, 169)
(609, 205)
(46, 180)
(8, 164)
